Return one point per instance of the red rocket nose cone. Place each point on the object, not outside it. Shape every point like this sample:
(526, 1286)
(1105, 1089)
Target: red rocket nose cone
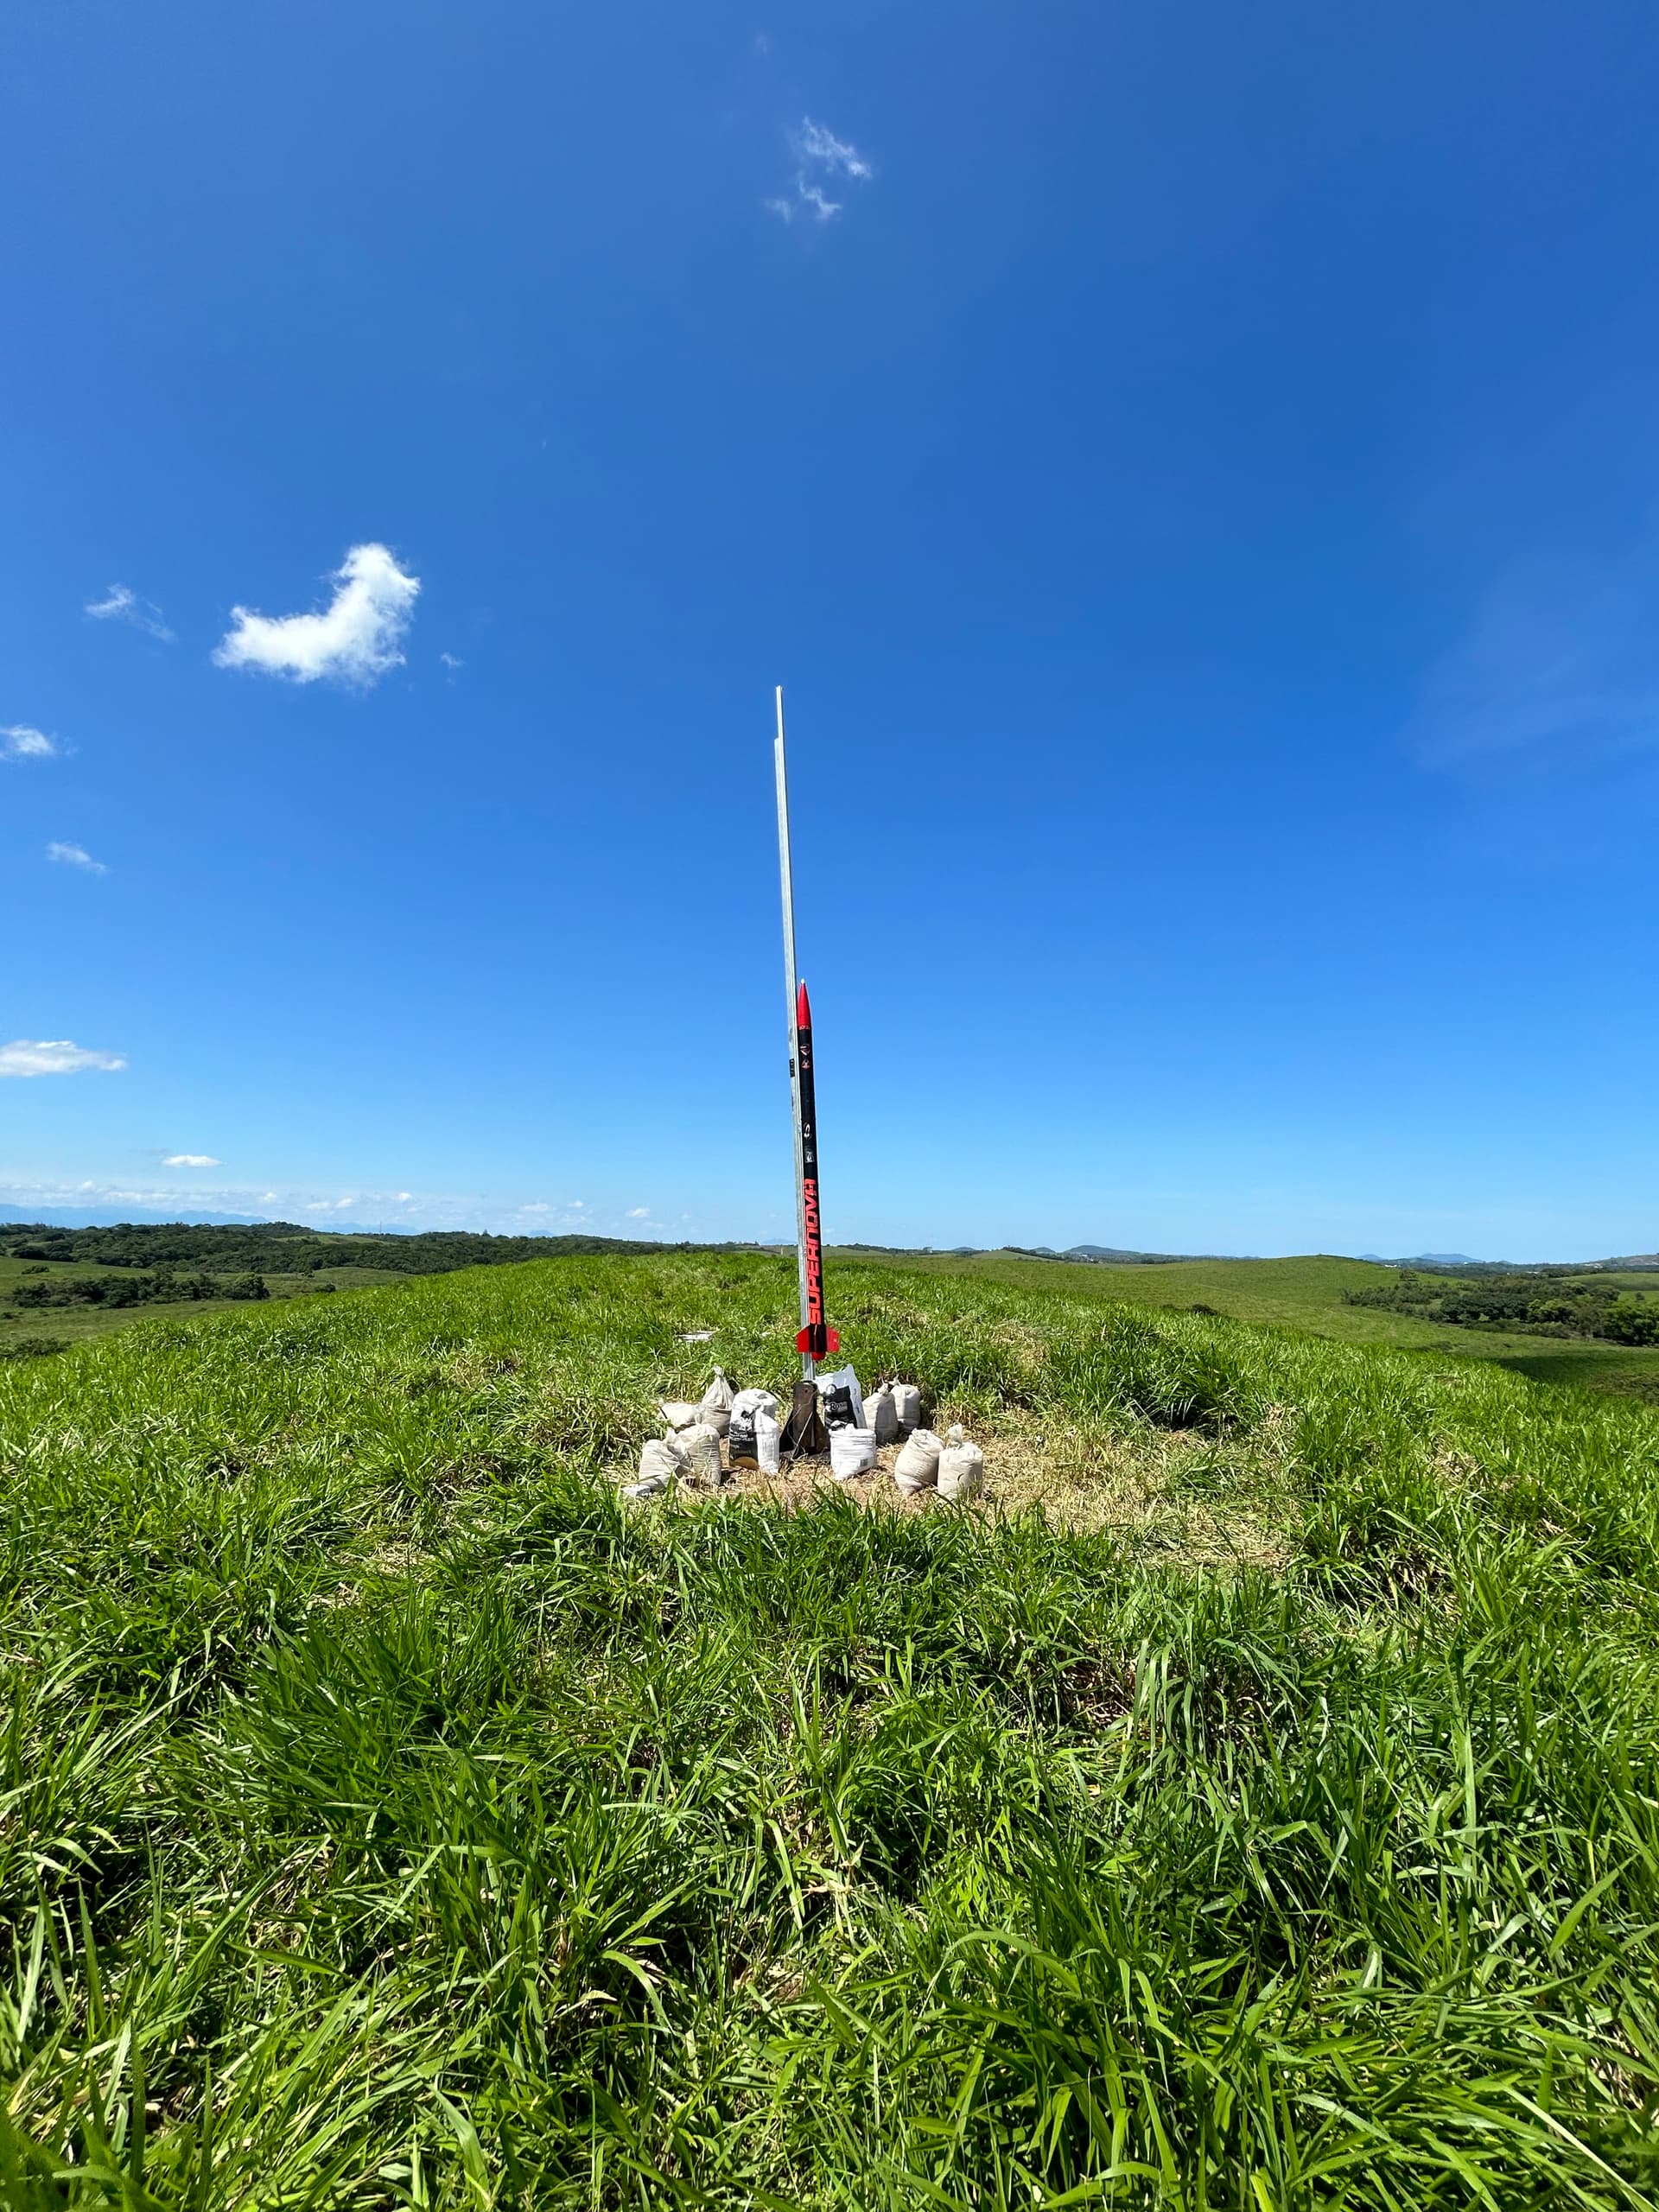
(803, 1009)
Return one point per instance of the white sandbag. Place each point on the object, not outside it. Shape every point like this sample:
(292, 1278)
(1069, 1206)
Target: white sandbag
(852, 1452)
(680, 1412)
(768, 1441)
(907, 1404)
(841, 1399)
(916, 1466)
(962, 1468)
(741, 1449)
(882, 1415)
(701, 1445)
(717, 1404)
(661, 1464)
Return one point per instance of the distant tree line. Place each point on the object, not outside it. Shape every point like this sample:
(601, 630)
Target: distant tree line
(1536, 1303)
(290, 1248)
(162, 1288)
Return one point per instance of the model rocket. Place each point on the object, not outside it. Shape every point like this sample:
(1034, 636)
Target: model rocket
(815, 1340)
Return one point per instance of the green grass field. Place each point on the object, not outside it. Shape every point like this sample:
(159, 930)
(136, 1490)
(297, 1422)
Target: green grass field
(1306, 1293)
(1253, 1804)
(22, 1332)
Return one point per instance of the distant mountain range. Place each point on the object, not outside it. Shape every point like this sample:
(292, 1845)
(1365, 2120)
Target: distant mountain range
(1113, 1255)
(106, 1217)
(1446, 1261)
(1435, 1260)
(1109, 1255)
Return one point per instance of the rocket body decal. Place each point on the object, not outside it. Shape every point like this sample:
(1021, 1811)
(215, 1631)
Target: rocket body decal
(815, 1340)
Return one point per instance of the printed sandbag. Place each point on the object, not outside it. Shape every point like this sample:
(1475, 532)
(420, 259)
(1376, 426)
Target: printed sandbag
(844, 1402)
(742, 1436)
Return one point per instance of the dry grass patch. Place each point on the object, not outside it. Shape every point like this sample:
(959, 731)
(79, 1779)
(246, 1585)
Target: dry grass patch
(1137, 1485)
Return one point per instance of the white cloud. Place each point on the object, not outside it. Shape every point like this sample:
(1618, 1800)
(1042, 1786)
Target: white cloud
(820, 157)
(638, 1213)
(191, 1159)
(122, 604)
(19, 742)
(813, 143)
(809, 199)
(75, 856)
(43, 1056)
(355, 638)
(452, 661)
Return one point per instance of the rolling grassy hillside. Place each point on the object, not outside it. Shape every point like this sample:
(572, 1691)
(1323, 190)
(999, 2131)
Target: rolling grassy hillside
(218, 1261)
(1306, 1293)
(388, 1817)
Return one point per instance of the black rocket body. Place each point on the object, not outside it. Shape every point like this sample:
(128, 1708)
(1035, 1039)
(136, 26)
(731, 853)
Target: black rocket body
(816, 1341)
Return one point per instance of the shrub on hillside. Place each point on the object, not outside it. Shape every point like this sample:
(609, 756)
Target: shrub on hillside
(1630, 1322)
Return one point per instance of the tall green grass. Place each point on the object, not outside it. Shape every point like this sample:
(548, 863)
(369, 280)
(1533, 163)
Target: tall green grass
(389, 1817)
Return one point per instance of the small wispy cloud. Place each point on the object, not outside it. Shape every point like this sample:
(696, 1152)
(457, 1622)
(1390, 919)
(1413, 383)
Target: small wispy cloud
(122, 604)
(815, 144)
(47, 1056)
(451, 661)
(821, 160)
(1558, 656)
(355, 640)
(18, 741)
(638, 1213)
(191, 1159)
(75, 856)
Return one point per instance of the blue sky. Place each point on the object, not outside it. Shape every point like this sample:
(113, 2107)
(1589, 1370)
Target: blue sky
(1194, 468)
